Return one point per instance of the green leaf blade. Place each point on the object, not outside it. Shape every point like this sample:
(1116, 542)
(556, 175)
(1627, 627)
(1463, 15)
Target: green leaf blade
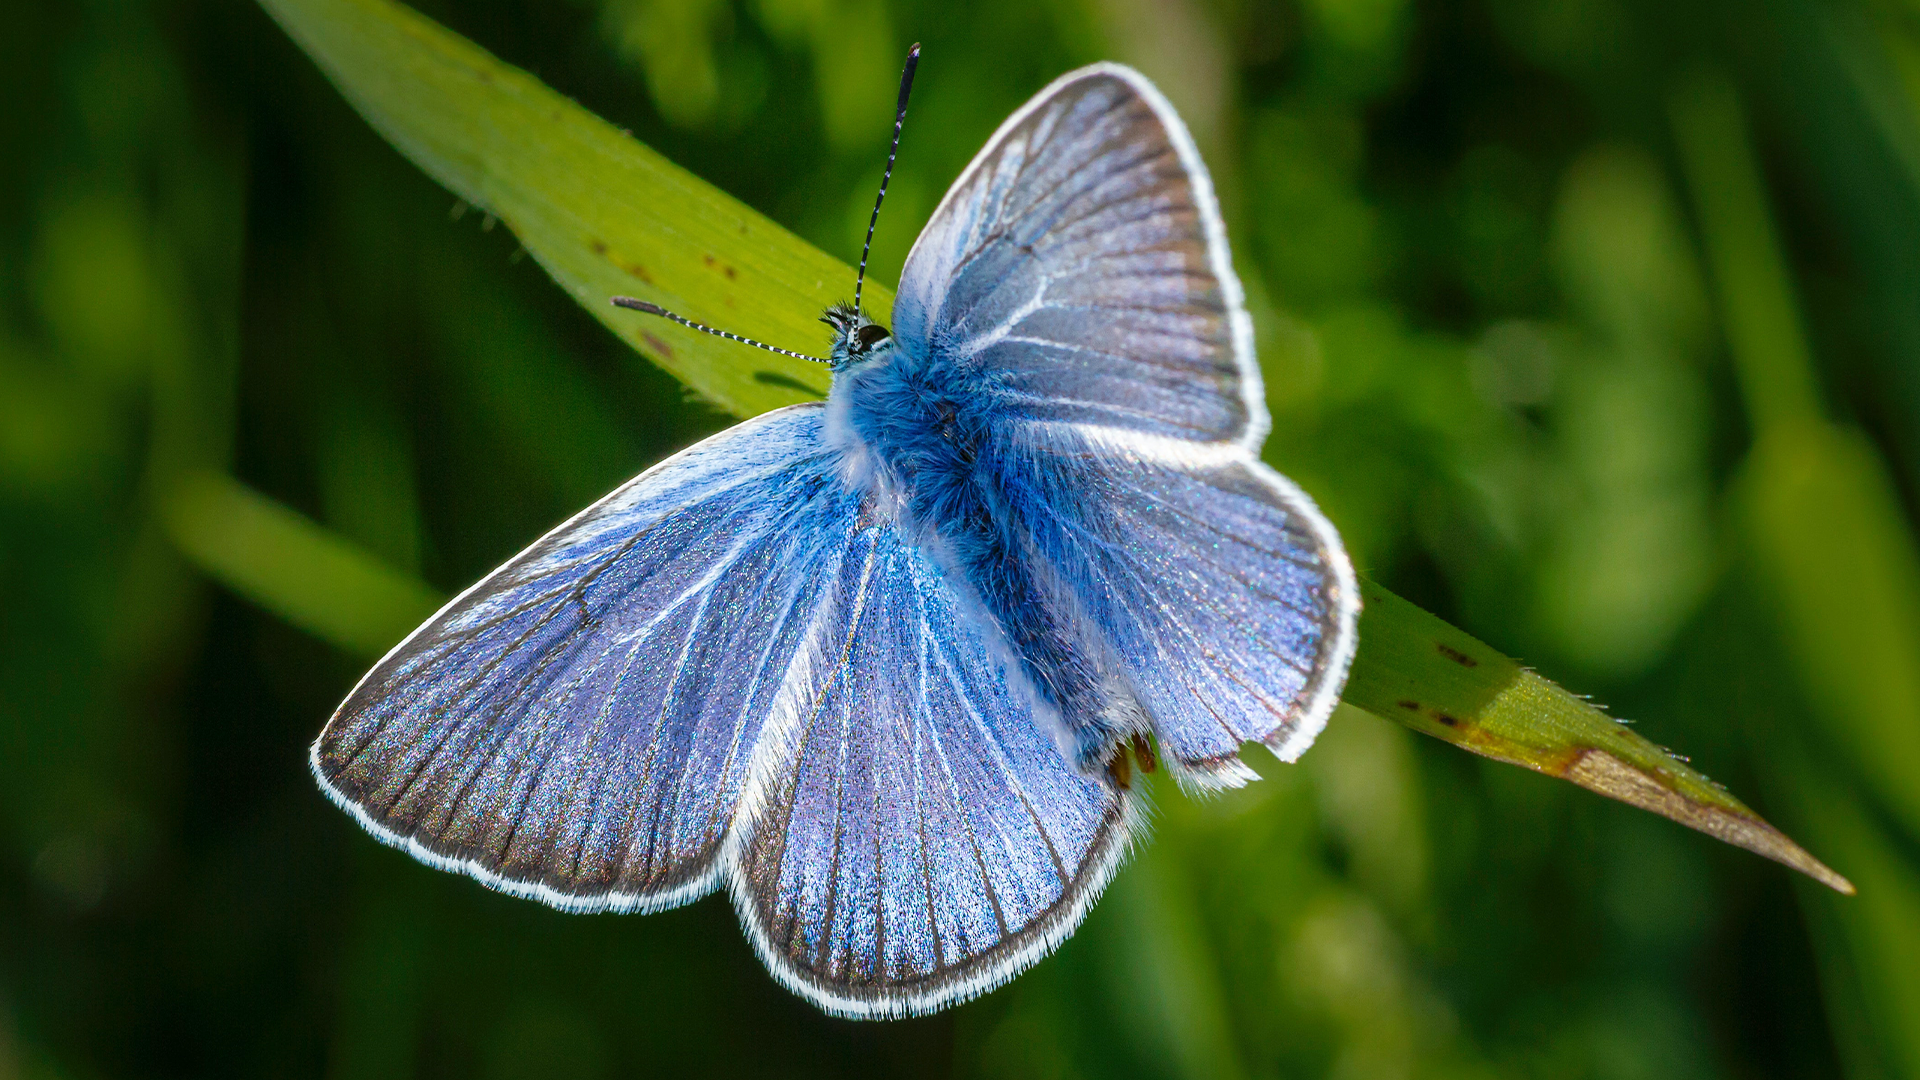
(606, 216)
(292, 567)
(1416, 669)
(602, 213)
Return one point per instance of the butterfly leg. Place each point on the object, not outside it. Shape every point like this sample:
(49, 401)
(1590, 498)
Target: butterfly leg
(1143, 750)
(1120, 767)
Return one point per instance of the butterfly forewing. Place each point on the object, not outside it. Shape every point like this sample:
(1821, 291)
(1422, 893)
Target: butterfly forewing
(579, 725)
(1079, 263)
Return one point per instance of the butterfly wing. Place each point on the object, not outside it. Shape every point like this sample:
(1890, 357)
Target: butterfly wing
(1222, 597)
(578, 727)
(923, 840)
(1080, 263)
(1077, 280)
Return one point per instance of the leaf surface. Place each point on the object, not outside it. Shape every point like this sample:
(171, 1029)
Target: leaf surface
(607, 216)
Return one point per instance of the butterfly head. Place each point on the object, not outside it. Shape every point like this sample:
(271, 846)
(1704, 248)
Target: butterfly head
(856, 338)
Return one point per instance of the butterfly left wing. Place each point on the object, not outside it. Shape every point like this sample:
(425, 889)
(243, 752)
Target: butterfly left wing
(734, 669)
(922, 840)
(579, 726)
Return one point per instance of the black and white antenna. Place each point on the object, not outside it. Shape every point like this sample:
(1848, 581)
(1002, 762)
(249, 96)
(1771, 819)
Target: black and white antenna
(860, 279)
(655, 309)
(899, 121)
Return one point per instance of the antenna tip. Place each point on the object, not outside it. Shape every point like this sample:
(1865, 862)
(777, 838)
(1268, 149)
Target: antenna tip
(915, 51)
(638, 305)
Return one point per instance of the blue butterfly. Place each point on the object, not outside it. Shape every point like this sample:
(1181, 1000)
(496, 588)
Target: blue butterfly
(873, 664)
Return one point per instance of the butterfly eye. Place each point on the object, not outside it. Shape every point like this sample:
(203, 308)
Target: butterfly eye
(870, 335)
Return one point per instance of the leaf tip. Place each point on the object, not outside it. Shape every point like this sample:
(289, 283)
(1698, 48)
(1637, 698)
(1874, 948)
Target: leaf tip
(1599, 771)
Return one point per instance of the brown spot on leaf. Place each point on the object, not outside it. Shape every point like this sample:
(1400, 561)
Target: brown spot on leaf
(654, 343)
(1410, 706)
(599, 247)
(1456, 655)
(1450, 721)
(638, 271)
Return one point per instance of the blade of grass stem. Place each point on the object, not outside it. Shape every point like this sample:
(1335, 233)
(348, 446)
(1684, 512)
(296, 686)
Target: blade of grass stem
(605, 215)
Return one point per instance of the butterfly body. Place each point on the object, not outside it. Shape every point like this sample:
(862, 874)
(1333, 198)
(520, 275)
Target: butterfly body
(927, 441)
(864, 662)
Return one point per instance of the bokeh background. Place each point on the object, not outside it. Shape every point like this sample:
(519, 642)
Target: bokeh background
(1594, 324)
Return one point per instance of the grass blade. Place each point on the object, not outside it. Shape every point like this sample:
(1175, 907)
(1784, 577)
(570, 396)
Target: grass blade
(293, 567)
(1435, 679)
(605, 216)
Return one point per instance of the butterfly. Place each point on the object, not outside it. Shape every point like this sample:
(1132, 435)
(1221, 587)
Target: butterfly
(873, 664)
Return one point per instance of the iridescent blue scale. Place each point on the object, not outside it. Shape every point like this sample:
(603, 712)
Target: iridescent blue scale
(867, 663)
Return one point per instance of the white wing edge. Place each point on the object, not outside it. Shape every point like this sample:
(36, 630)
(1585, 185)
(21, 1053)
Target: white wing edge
(1056, 926)
(1252, 388)
(620, 902)
(1346, 628)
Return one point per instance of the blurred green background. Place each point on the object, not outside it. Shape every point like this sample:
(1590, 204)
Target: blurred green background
(1594, 325)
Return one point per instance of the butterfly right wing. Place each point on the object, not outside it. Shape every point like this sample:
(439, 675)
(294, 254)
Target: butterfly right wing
(1075, 296)
(579, 726)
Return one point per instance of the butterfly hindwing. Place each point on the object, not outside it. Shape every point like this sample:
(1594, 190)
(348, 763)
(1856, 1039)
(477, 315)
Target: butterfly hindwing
(1220, 595)
(578, 726)
(923, 839)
